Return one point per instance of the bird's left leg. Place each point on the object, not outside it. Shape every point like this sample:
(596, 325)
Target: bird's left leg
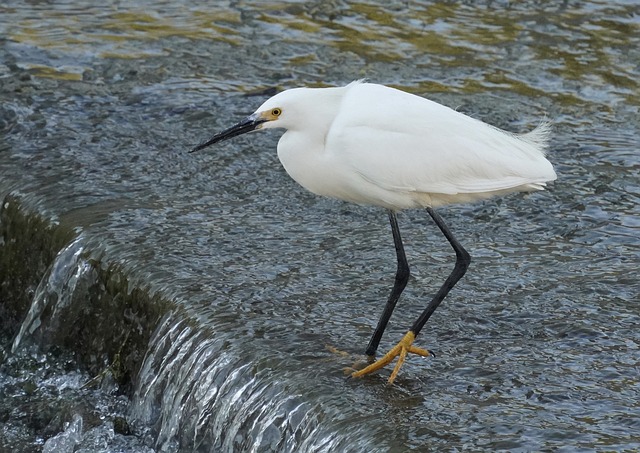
(402, 277)
(406, 344)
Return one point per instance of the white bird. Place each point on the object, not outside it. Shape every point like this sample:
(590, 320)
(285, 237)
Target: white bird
(374, 145)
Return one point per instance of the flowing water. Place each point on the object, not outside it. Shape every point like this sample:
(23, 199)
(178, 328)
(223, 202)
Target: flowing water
(247, 296)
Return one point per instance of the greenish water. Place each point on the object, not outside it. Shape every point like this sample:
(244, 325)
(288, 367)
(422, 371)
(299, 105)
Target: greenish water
(537, 348)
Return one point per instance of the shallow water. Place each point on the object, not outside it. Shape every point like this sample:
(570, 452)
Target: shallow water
(537, 347)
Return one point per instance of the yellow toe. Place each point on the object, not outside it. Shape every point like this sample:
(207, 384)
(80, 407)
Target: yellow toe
(400, 350)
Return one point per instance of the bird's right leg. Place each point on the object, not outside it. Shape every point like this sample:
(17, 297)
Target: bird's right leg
(402, 277)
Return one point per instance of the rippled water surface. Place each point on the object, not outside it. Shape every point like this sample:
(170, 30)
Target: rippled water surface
(537, 347)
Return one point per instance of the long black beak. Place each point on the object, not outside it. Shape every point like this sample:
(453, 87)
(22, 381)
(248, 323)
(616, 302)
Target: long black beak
(248, 124)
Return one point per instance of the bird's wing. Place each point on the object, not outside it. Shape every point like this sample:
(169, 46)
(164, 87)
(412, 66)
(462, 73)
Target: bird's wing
(402, 142)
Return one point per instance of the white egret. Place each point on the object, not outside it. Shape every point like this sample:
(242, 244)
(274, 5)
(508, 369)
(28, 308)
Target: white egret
(375, 145)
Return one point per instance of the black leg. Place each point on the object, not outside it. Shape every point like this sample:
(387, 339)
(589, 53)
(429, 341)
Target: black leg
(462, 263)
(405, 346)
(402, 277)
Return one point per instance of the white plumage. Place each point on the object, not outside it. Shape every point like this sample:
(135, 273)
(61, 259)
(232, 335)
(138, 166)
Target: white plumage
(372, 144)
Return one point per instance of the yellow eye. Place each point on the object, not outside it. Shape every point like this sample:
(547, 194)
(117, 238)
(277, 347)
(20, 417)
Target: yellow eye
(276, 112)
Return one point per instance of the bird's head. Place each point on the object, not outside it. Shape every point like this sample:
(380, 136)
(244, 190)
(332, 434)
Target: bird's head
(275, 112)
(291, 109)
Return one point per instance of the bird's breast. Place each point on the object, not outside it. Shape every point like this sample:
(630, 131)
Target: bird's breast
(329, 174)
(306, 161)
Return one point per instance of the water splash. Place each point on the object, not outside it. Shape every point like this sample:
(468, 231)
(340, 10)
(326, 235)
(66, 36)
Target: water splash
(66, 441)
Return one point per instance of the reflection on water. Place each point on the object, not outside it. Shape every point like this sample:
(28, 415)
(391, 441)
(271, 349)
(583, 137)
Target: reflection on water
(538, 345)
(573, 52)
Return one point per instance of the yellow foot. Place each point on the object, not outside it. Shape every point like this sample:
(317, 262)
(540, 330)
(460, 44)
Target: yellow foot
(358, 363)
(403, 347)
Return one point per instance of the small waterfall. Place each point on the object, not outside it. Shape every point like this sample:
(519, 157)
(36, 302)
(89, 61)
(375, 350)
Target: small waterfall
(198, 395)
(194, 386)
(55, 293)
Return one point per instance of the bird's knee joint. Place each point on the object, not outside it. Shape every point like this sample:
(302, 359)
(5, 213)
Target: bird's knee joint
(463, 260)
